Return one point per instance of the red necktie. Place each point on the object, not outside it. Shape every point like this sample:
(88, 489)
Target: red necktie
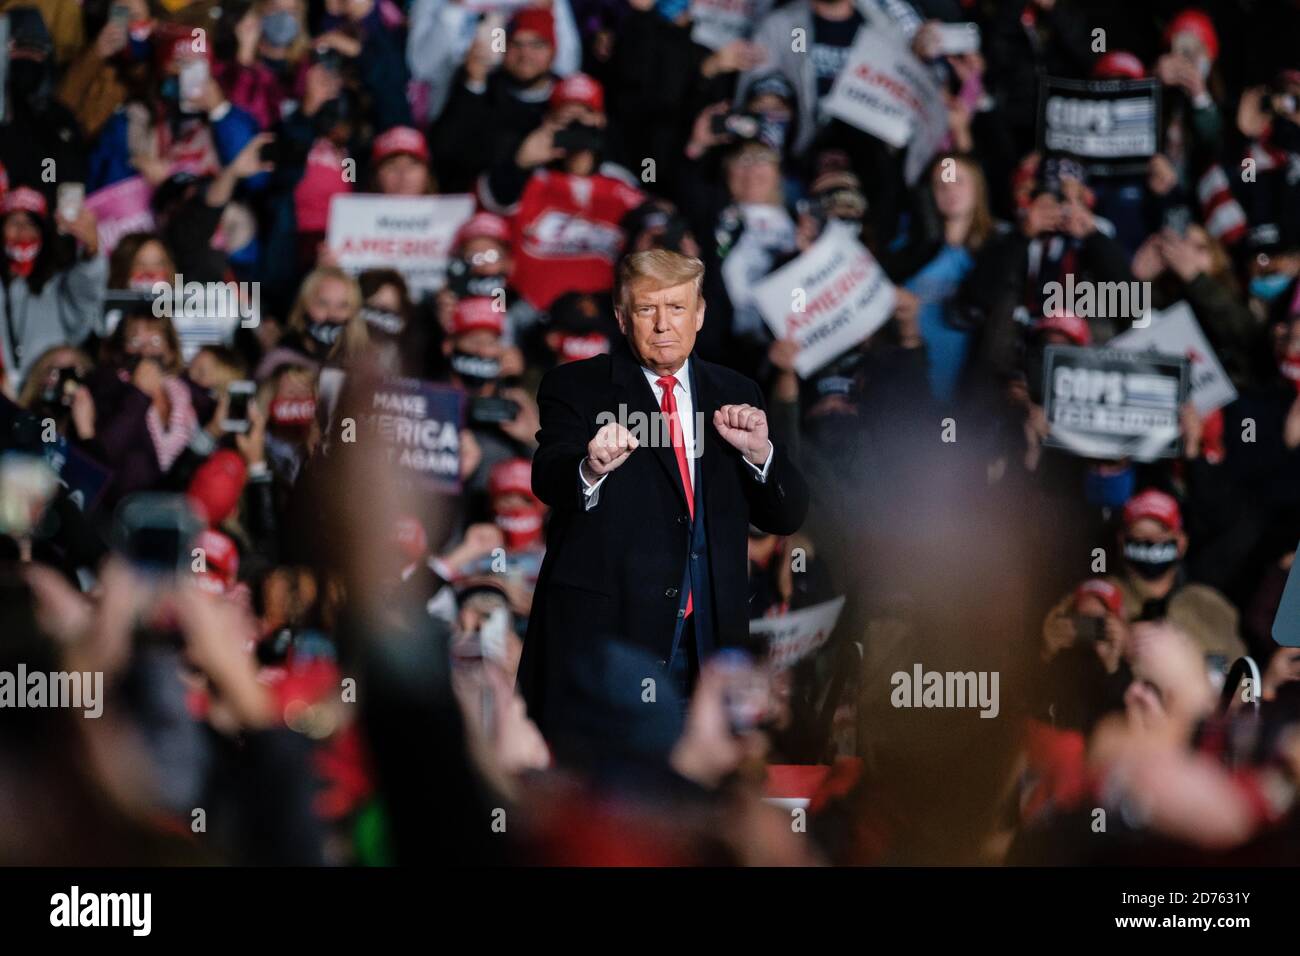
(669, 408)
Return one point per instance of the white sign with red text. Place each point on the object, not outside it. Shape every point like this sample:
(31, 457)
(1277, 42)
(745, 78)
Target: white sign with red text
(828, 300)
(412, 234)
(793, 636)
(886, 91)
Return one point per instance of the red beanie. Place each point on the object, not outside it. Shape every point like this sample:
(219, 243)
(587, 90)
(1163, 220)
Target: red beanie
(1199, 24)
(215, 489)
(534, 20)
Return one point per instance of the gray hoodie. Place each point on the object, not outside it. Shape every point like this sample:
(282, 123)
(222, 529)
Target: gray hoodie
(69, 307)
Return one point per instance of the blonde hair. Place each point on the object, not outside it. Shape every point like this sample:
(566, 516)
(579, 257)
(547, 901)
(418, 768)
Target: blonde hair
(662, 266)
(355, 337)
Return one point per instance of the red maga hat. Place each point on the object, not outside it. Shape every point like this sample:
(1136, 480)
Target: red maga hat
(398, 140)
(1200, 25)
(1156, 505)
(1071, 326)
(536, 21)
(483, 225)
(477, 312)
(1109, 594)
(578, 88)
(217, 484)
(514, 476)
(24, 199)
(1118, 65)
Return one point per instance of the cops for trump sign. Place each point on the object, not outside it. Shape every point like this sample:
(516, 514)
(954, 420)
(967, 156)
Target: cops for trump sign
(1104, 403)
(1113, 125)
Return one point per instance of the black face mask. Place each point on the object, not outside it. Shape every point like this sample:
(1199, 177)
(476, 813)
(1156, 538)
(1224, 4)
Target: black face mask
(475, 369)
(578, 137)
(1149, 559)
(32, 84)
(324, 333)
(383, 324)
(462, 281)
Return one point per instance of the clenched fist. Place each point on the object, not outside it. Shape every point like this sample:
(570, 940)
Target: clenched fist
(607, 450)
(744, 428)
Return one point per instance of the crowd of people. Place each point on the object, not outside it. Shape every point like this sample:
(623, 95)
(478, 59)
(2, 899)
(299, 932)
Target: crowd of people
(332, 679)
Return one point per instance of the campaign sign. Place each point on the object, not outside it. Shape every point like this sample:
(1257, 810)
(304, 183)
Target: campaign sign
(1113, 125)
(120, 209)
(886, 91)
(1104, 403)
(419, 425)
(828, 300)
(792, 637)
(412, 234)
(1286, 624)
(1175, 331)
(84, 477)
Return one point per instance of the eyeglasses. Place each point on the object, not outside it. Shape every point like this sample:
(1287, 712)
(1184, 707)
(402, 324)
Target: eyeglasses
(488, 257)
(138, 342)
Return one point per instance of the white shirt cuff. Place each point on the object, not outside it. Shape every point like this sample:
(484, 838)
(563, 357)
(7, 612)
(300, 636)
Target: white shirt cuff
(761, 473)
(591, 492)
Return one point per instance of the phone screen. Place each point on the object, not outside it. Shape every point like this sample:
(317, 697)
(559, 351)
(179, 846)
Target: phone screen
(155, 547)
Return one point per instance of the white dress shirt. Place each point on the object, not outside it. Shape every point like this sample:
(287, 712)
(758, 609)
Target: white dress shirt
(686, 415)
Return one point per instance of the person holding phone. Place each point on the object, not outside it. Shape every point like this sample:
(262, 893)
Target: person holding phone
(45, 299)
(567, 202)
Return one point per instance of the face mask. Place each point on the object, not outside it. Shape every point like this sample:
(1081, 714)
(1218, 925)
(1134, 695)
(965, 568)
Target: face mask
(475, 369)
(1269, 287)
(22, 256)
(774, 131)
(383, 323)
(326, 333)
(32, 82)
(1149, 559)
(292, 412)
(522, 527)
(578, 136)
(1103, 490)
(670, 10)
(466, 285)
(279, 28)
(572, 348)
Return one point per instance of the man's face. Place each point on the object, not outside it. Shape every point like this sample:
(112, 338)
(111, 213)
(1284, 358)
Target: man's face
(528, 56)
(661, 323)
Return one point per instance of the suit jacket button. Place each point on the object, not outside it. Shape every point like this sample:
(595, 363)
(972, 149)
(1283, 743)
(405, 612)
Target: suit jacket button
(682, 519)
(670, 592)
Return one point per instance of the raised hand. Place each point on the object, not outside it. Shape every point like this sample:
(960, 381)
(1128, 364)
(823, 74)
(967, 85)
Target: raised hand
(610, 447)
(744, 428)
